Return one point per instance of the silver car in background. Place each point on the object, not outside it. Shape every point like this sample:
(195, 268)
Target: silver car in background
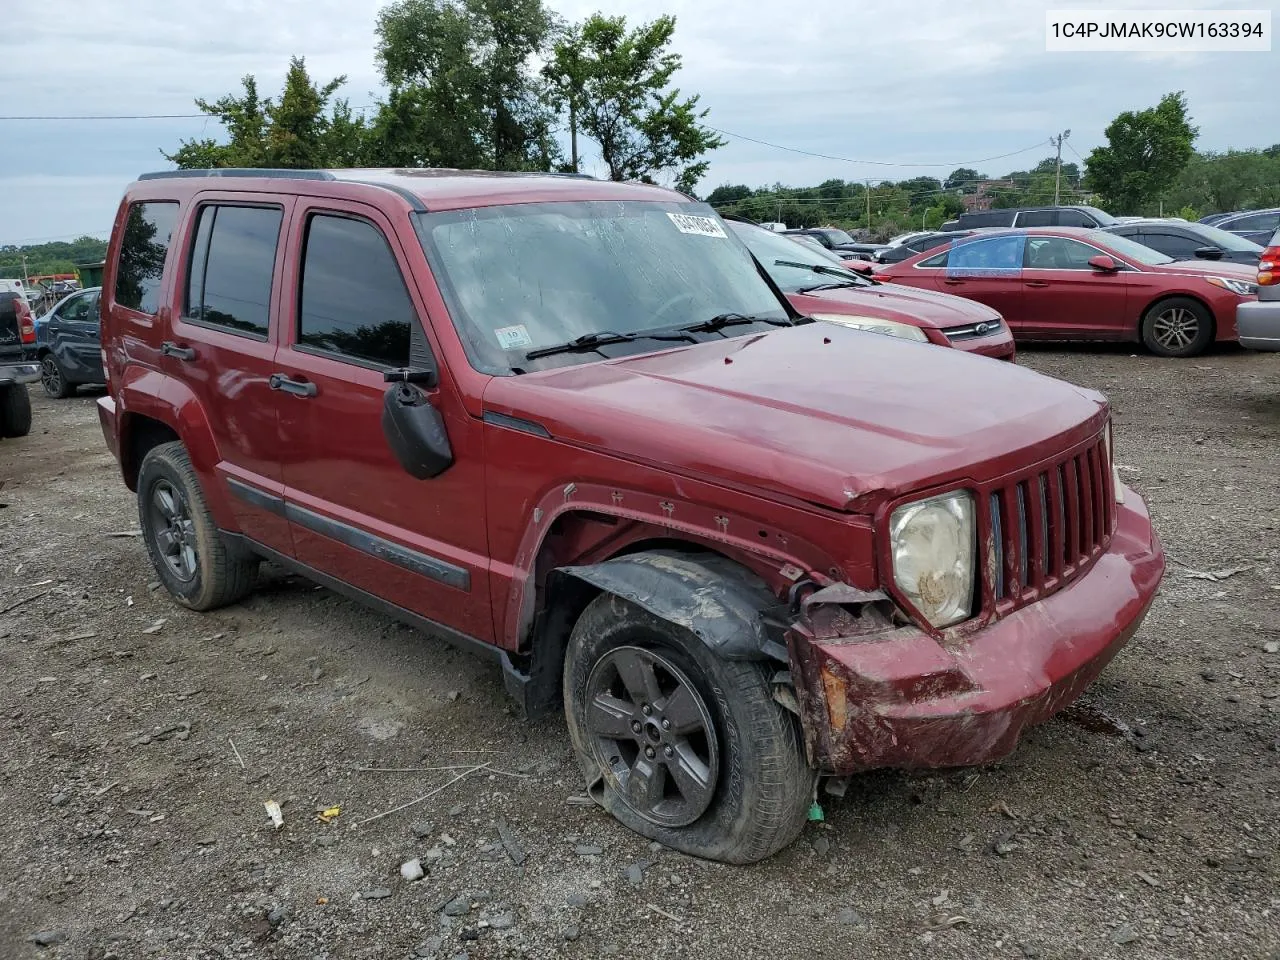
(1258, 322)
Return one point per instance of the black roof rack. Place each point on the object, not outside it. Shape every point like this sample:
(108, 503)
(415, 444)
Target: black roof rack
(268, 172)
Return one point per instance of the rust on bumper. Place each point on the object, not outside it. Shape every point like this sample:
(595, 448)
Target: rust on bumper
(875, 695)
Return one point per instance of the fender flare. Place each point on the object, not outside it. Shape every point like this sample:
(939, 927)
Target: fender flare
(715, 599)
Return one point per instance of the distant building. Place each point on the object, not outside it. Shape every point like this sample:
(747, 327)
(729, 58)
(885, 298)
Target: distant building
(981, 198)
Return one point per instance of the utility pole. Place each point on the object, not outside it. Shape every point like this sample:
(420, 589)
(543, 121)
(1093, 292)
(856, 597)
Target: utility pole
(1057, 176)
(868, 204)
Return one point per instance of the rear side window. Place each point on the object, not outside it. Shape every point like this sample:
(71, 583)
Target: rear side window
(987, 257)
(147, 231)
(353, 301)
(1170, 244)
(232, 262)
(1075, 218)
(1256, 222)
(1038, 218)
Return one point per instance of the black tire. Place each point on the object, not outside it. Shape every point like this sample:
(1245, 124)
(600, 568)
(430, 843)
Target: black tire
(187, 538)
(15, 410)
(54, 379)
(1177, 327)
(763, 788)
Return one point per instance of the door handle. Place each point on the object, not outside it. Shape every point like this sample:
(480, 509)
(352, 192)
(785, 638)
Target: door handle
(1037, 283)
(171, 349)
(953, 283)
(299, 388)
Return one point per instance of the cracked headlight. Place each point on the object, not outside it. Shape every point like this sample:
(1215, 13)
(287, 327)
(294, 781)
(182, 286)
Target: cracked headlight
(890, 328)
(933, 543)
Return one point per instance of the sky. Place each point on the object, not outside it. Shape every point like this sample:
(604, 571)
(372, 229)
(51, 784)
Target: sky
(921, 86)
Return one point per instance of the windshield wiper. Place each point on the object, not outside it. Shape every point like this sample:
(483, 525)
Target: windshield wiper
(850, 279)
(838, 285)
(590, 341)
(722, 320)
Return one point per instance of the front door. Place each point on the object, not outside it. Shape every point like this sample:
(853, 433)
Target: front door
(1067, 298)
(223, 349)
(356, 514)
(989, 270)
(74, 336)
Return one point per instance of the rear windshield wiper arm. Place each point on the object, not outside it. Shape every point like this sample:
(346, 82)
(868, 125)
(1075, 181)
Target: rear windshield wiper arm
(721, 320)
(590, 341)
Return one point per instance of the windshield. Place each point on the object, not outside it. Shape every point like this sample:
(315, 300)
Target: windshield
(1103, 218)
(1227, 240)
(837, 236)
(522, 277)
(769, 248)
(1128, 248)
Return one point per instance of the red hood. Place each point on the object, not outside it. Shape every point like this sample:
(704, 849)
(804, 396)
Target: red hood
(1208, 268)
(819, 413)
(922, 308)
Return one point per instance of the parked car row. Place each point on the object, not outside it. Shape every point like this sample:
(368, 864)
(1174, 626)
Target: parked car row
(1255, 225)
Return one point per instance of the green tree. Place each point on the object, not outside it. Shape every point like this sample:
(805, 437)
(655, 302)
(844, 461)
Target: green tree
(615, 83)
(295, 132)
(729, 194)
(463, 93)
(1145, 152)
(963, 178)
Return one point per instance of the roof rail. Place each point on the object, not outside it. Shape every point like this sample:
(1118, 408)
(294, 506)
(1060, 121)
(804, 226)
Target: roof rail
(267, 172)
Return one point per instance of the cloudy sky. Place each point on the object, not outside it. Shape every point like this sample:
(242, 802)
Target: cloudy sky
(903, 82)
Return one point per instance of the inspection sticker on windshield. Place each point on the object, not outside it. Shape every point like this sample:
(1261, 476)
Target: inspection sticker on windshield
(698, 226)
(509, 338)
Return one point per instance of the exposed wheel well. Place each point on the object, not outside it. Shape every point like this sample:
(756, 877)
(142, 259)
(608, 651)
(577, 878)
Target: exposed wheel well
(141, 434)
(1176, 296)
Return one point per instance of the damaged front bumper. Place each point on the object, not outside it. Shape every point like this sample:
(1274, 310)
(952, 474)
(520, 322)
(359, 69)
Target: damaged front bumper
(900, 698)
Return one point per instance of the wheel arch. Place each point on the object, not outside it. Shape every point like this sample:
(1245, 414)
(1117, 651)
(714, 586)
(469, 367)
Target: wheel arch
(1178, 295)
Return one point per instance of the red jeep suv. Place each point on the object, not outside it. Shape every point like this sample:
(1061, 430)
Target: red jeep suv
(575, 425)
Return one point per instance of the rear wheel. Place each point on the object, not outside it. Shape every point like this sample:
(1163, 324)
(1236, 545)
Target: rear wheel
(53, 379)
(679, 745)
(194, 563)
(1177, 327)
(15, 410)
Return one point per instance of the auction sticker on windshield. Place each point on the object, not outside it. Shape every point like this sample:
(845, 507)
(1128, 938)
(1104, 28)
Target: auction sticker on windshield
(698, 226)
(509, 338)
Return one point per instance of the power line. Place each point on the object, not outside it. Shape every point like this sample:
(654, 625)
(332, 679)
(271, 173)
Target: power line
(138, 116)
(877, 163)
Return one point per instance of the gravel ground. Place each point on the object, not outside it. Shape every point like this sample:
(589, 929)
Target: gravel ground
(138, 743)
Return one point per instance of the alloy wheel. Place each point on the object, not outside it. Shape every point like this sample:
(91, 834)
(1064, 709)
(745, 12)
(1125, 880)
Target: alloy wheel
(173, 530)
(652, 735)
(50, 376)
(1175, 329)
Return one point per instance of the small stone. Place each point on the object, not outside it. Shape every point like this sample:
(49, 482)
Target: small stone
(377, 893)
(428, 948)
(457, 811)
(435, 853)
(47, 938)
(849, 917)
(59, 799)
(503, 921)
(1030, 951)
(1271, 646)
(452, 695)
(327, 840)
(458, 907)
(588, 850)
(635, 876)
(571, 933)
(576, 899)
(1124, 934)
(422, 830)
(821, 846)
(277, 916)
(1209, 676)
(411, 870)
(655, 847)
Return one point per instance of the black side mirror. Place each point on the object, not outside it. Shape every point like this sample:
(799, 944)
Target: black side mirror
(1209, 253)
(415, 430)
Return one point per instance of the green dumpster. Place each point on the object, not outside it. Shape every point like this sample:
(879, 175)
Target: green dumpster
(90, 274)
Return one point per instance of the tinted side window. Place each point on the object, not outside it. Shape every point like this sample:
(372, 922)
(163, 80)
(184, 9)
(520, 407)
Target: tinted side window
(1257, 221)
(77, 308)
(1170, 244)
(1074, 218)
(1058, 253)
(232, 264)
(940, 260)
(353, 300)
(1038, 218)
(147, 230)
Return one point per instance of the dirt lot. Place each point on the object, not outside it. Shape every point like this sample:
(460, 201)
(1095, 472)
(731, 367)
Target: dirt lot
(139, 741)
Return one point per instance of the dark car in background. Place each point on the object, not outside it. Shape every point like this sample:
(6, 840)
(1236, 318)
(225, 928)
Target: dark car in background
(69, 344)
(1073, 216)
(927, 241)
(1255, 225)
(1189, 241)
(17, 334)
(838, 241)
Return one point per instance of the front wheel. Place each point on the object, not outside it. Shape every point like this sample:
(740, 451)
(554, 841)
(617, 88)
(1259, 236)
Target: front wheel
(678, 744)
(1177, 327)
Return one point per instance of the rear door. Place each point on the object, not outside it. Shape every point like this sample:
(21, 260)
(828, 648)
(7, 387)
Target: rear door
(223, 348)
(356, 514)
(73, 333)
(1067, 298)
(989, 270)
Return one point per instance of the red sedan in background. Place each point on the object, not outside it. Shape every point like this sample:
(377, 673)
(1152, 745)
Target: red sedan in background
(1067, 283)
(821, 286)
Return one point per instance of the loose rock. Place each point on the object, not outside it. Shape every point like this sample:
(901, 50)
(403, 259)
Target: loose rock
(411, 870)
(377, 893)
(588, 850)
(458, 907)
(47, 938)
(1124, 934)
